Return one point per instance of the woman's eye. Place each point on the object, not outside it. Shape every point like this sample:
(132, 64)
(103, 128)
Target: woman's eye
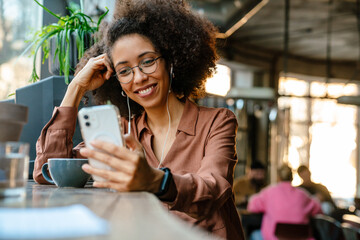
(148, 62)
(124, 71)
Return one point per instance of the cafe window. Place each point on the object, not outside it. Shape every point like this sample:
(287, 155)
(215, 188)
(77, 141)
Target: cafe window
(18, 18)
(323, 133)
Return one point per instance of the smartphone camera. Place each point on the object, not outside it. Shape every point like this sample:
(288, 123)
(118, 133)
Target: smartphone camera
(86, 117)
(87, 124)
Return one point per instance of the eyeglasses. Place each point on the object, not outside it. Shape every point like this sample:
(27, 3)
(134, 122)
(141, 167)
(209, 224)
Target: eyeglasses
(147, 65)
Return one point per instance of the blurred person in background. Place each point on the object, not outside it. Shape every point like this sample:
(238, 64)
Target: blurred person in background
(251, 183)
(282, 203)
(316, 189)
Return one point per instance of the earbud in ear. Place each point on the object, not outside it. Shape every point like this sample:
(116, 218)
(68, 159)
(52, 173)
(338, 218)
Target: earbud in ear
(172, 75)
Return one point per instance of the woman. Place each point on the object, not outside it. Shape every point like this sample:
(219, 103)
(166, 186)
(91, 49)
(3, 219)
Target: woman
(161, 54)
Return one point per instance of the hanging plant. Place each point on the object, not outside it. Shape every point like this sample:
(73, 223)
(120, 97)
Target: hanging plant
(78, 24)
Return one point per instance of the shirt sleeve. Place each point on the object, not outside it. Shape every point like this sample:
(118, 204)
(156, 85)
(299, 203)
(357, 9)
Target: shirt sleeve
(325, 193)
(56, 140)
(200, 194)
(315, 206)
(257, 203)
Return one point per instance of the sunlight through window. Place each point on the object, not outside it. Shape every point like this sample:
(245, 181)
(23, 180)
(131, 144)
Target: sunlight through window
(323, 134)
(219, 84)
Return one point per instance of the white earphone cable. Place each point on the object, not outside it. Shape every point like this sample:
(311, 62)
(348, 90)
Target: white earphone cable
(168, 111)
(129, 123)
(167, 134)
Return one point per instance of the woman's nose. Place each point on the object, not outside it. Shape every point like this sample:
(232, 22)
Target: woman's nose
(139, 76)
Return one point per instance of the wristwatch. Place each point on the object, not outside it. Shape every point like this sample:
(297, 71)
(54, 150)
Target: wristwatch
(165, 183)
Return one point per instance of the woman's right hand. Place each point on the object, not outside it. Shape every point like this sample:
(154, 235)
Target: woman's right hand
(96, 71)
(130, 169)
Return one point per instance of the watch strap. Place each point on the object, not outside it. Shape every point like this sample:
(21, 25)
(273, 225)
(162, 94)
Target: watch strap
(165, 183)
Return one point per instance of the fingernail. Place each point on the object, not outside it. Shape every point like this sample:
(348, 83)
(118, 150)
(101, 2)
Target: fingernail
(84, 151)
(85, 167)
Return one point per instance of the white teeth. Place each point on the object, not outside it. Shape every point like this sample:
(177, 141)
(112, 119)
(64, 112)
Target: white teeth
(146, 90)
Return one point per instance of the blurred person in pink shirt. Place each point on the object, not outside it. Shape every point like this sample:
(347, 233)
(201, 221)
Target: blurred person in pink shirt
(282, 203)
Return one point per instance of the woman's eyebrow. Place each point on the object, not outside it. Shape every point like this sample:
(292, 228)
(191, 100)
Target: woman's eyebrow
(119, 63)
(144, 53)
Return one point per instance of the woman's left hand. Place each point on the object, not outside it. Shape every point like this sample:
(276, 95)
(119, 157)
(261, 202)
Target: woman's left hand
(131, 172)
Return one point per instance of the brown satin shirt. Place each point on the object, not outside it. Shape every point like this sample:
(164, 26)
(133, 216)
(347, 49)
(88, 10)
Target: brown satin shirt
(202, 160)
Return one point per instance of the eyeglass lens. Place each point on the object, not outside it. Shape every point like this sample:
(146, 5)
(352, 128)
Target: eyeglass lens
(147, 66)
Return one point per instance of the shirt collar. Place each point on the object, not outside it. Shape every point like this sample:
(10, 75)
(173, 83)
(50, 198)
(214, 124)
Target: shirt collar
(189, 118)
(187, 122)
(142, 124)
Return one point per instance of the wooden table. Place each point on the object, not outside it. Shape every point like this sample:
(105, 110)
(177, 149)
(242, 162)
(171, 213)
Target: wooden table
(138, 215)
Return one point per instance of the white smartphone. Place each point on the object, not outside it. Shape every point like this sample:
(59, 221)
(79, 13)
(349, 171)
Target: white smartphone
(100, 123)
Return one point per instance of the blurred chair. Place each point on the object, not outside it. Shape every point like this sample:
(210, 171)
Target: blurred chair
(352, 219)
(250, 221)
(326, 228)
(350, 232)
(289, 231)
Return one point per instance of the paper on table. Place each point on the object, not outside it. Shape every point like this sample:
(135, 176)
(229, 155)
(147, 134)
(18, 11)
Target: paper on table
(58, 222)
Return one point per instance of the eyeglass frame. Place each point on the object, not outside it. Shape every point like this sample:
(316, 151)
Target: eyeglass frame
(137, 66)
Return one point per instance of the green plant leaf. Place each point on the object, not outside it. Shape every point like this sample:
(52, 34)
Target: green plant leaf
(77, 41)
(62, 51)
(82, 43)
(85, 19)
(26, 49)
(101, 18)
(46, 9)
(85, 16)
(34, 77)
(78, 23)
(67, 57)
(81, 6)
(74, 8)
(58, 46)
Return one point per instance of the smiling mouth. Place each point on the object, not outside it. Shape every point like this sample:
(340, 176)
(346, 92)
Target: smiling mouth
(146, 90)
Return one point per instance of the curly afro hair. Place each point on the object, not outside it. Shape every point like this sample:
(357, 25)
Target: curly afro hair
(182, 37)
